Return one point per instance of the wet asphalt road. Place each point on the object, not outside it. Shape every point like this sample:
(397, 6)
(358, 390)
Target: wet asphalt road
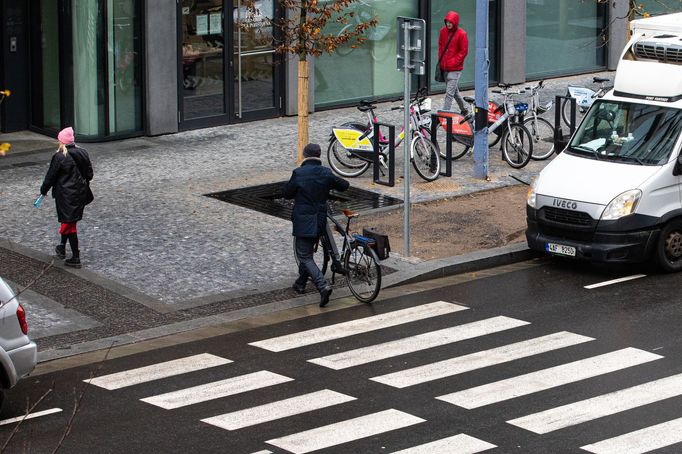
(536, 317)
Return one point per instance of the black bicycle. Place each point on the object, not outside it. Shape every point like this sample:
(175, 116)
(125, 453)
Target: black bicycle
(357, 261)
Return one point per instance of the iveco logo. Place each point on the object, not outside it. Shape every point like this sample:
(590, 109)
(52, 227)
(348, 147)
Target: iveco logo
(569, 204)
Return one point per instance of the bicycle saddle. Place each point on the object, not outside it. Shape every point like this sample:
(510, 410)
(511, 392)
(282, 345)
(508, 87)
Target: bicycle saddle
(505, 86)
(598, 80)
(364, 106)
(349, 213)
(469, 99)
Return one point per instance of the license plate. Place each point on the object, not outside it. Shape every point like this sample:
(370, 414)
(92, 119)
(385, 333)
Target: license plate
(561, 249)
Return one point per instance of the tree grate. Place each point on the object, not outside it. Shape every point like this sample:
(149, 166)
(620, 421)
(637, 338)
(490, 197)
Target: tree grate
(268, 199)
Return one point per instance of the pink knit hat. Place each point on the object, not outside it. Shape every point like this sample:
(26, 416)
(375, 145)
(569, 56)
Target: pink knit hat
(65, 136)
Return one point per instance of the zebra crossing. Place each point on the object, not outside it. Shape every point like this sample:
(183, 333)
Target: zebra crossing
(372, 424)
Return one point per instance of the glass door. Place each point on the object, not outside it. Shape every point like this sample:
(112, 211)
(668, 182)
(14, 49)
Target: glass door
(256, 72)
(202, 80)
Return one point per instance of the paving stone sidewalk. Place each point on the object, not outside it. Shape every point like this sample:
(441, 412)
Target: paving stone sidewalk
(156, 240)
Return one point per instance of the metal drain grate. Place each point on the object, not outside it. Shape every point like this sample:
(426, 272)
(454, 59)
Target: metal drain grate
(267, 198)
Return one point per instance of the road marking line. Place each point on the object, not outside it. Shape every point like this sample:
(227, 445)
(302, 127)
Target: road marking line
(265, 451)
(459, 444)
(363, 325)
(541, 380)
(412, 344)
(37, 414)
(614, 281)
(640, 441)
(278, 410)
(157, 371)
(478, 360)
(600, 406)
(345, 431)
(216, 390)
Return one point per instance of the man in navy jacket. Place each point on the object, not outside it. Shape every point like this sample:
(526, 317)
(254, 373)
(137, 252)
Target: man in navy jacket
(309, 186)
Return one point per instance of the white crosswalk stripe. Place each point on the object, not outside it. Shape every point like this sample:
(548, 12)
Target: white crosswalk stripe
(600, 406)
(459, 444)
(412, 344)
(640, 441)
(158, 371)
(548, 378)
(353, 327)
(216, 390)
(345, 431)
(478, 360)
(278, 410)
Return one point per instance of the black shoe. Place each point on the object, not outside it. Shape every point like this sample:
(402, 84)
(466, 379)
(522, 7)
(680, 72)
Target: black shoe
(325, 293)
(60, 250)
(300, 289)
(74, 262)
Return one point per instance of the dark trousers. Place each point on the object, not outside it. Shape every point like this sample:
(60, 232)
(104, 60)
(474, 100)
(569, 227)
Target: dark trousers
(305, 249)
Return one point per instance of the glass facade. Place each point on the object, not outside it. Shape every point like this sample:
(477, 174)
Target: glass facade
(369, 70)
(467, 21)
(564, 37)
(658, 7)
(86, 58)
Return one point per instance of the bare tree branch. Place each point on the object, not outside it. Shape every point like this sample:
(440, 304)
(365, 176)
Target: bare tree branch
(28, 411)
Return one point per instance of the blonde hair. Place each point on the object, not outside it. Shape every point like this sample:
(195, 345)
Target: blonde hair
(62, 148)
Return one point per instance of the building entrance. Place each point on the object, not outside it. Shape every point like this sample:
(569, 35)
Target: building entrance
(228, 67)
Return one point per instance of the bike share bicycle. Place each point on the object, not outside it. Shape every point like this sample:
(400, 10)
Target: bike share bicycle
(357, 261)
(584, 98)
(541, 130)
(351, 149)
(4, 147)
(517, 143)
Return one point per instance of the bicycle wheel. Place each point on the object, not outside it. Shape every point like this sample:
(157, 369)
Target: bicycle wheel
(566, 113)
(322, 255)
(343, 162)
(517, 146)
(425, 158)
(542, 133)
(364, 272)
(459, 149)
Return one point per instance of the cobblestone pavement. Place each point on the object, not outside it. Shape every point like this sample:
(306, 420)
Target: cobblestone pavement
(152, 230)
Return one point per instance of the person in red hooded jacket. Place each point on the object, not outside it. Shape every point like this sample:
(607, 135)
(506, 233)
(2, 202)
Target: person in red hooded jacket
(452, 61)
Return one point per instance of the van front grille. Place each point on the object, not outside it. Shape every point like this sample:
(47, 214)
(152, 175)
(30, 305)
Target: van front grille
(666, 53)
(562, 216)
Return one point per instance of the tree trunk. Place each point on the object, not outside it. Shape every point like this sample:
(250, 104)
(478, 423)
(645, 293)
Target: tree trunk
(302, 108)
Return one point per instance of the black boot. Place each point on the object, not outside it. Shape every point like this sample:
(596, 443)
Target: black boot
(75, 260)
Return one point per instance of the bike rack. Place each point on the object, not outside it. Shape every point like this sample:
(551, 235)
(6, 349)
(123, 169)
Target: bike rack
(391, 155)
(435, 123)
(560, 141)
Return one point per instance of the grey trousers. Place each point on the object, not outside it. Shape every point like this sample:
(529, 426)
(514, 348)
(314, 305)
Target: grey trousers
(452, 91)
(307, 268)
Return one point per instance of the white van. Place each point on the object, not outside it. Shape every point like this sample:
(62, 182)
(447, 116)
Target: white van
(615, 193)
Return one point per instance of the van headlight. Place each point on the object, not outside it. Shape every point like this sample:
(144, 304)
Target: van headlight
(622, 205)
(532, 194)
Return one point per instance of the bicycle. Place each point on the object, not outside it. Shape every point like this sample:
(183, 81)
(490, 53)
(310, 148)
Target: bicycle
(584, 98)
(351, 149)
(541, 130)
(357, 261)
(517, 143)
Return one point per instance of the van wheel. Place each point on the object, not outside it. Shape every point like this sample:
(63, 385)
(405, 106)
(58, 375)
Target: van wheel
(669, 247)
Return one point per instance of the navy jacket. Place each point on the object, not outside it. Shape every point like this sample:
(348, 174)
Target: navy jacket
(309, 186)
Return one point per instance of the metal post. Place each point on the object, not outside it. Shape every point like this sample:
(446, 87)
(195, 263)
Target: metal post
(406, 143)
(481, 85)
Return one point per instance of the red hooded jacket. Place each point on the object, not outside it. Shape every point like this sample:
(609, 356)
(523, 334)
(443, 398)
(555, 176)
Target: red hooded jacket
(453, 60)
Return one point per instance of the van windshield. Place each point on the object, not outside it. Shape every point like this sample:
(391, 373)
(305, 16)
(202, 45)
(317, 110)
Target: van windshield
(638, 134)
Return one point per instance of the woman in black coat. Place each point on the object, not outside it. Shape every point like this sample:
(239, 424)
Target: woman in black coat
(69, 178)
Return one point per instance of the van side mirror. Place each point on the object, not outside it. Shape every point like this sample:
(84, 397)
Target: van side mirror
(677, 170)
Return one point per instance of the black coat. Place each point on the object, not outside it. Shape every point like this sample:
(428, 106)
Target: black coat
(70, 187)
(309, 187)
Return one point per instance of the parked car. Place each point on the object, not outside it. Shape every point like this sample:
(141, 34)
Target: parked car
(18, 353)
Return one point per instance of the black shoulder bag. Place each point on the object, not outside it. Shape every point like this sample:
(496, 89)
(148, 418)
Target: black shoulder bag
(440, 74)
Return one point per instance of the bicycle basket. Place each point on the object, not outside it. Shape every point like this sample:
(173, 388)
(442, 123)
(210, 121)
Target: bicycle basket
(545, 108)
(425, 105)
